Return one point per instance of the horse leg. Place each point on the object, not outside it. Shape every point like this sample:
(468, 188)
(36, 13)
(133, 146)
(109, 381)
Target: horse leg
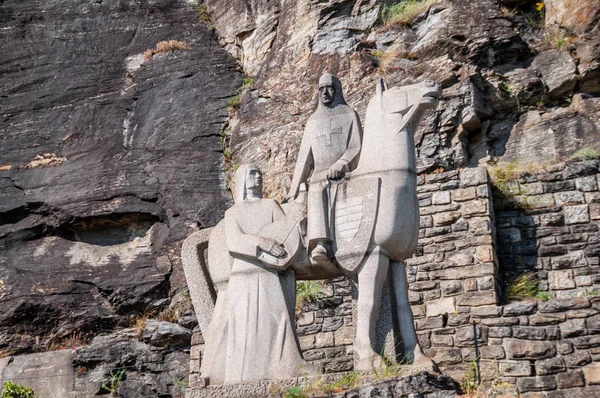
(404, 316)
(371, 278)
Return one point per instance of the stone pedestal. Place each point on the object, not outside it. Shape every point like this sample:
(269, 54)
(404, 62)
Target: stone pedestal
(408, 381)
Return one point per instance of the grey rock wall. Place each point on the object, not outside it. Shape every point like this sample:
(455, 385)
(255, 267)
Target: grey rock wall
(107, 161)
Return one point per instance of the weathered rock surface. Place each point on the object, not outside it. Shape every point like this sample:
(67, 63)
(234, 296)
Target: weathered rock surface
(107, 160)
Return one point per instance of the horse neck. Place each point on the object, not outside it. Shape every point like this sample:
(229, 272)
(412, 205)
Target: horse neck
(384, 147)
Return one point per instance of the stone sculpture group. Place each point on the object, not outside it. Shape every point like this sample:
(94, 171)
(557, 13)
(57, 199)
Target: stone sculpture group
(363, 221)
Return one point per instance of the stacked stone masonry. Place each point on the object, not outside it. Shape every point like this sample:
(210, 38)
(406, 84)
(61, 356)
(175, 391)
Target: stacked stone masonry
(533, 347)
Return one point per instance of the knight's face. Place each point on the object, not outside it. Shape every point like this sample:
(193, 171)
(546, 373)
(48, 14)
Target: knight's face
(326, 94)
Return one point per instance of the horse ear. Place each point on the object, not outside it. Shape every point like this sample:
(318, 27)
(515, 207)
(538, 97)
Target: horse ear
(380, 86)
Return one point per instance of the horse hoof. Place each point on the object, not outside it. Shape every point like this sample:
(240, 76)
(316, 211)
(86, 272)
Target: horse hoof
(422, 361)
(369, 363)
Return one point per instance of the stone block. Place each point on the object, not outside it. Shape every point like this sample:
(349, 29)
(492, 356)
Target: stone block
(470, 285)
(576, 214)
(486, 282)
(591, 372)
(569, 198)
(458, 319)
(429, 323)
(475, 208)
(526, 349)
(585, 342)
(594, 211)
(561, 280)
(445, 356)
(549, 366)
(442, 340)
(470, 177)
(564, 347)
(441, 306)
(529, 333)
(455, 273)
(500, 332)
(344, 335)
(451, 287)
(484, 253)
(570, 379)
(464, 194)
(492, 352)
(446, 218)
(476, 299)
(464, 336)
(586, 184)
(552, 219)
(509, 235)
(520, 308)
(307, 342)
(563, 305)
(534, 188)
(489, 311)
(440, 198)
(577, 359)
(480, 225)
(332, 323)
(515, 368)
(541, 201)
(460, 259)
(306, 318)
(505, 321)
(540, 383)
(572, 328)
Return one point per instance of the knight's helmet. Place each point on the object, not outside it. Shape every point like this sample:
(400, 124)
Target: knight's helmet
(327, 79)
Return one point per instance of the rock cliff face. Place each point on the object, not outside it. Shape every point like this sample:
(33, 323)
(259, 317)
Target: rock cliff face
(108, 159)
(507, 79)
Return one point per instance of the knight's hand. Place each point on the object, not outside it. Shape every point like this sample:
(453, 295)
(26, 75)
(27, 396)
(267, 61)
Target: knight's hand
(271, 246)
(336, 172)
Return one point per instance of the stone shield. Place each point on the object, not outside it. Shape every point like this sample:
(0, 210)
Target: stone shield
(355, 213)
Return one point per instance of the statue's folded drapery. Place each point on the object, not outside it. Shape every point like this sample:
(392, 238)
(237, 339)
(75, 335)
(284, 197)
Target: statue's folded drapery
(252, 335)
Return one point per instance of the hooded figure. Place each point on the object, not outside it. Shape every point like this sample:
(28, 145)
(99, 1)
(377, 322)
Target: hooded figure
(330, 148)
(252, 335)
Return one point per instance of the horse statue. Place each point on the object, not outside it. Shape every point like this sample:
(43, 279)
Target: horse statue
(376, 216)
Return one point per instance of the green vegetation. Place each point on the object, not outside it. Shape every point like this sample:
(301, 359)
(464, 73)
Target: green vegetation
(388, 368)
(542, 295)
(403, 13)
(507, 190)
(586, 153)
(235, 101)
(294, 392)
(470, 380)
(115, 377)
(202, 11)
(346, 382)
(12, 390)
(179, 387)
(522, 286)
(307, 292)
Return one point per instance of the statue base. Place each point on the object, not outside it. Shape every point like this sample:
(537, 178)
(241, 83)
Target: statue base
(405, 381)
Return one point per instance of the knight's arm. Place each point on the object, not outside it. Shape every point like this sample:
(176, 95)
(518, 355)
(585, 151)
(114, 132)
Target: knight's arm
(240, 244)
(304, 166)
(354, 143)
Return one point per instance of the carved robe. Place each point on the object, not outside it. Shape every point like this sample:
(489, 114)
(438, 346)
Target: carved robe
(252, 334)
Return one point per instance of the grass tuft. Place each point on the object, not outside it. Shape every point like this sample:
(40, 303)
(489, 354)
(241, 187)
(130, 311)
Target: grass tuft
(166, 46)
(586, 153)
(403, 13)
(307, 292)
(522, 286)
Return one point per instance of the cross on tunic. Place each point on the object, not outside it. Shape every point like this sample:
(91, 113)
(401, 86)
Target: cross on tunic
(327, 134)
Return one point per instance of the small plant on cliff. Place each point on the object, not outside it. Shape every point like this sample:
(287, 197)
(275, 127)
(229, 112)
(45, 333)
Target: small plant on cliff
(522, 286)
(403, 13)
(294, 392)
(166, 46)
(115, 378)
(542, 295)
(12, 390)
(586, 153)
